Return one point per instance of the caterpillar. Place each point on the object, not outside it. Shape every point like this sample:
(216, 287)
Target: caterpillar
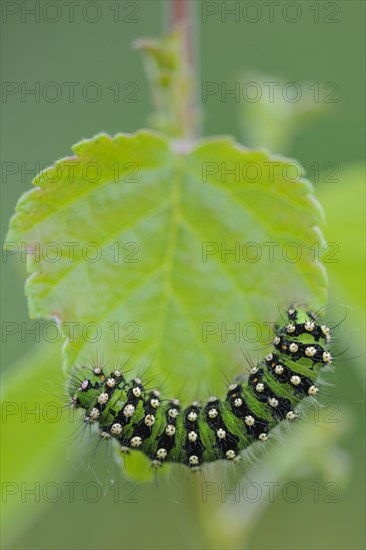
(255, 403)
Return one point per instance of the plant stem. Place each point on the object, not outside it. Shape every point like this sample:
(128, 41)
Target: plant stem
(182, 16)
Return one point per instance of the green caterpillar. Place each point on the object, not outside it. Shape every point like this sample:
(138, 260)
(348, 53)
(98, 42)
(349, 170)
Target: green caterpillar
(218, 429)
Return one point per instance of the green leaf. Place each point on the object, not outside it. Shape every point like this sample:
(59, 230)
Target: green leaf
(163, 215)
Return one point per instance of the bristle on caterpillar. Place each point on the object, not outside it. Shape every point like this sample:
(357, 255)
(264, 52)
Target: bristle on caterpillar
(137, 418)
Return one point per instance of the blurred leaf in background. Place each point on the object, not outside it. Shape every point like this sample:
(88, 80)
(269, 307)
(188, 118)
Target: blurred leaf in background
(35, 426)
(273, 111)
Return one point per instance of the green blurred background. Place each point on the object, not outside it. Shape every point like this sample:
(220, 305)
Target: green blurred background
(40, 450)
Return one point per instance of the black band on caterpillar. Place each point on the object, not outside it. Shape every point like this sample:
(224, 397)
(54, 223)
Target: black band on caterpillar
(220, 429)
